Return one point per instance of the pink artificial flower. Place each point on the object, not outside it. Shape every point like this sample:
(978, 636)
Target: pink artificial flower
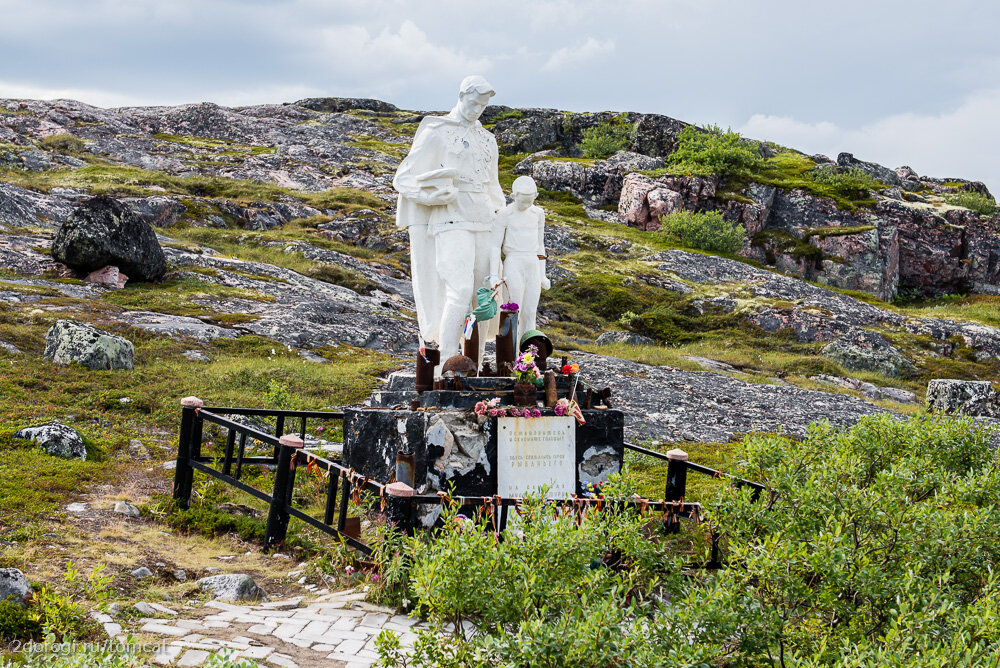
(493, 403)
(480, 408)
(561, 407)
(496, 412)
(536, 413)
(515, 412)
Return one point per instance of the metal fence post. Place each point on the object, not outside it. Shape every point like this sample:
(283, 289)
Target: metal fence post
(676, 485)
(400, 506)
(277, 516)
(183, 473)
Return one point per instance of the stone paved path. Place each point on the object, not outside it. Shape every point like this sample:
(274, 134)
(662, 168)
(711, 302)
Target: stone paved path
(334, 629)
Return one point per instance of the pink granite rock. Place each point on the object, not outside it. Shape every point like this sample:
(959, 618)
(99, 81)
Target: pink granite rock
(110, 276)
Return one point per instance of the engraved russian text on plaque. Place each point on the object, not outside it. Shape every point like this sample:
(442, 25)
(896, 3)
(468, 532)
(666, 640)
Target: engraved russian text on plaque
(536, 452)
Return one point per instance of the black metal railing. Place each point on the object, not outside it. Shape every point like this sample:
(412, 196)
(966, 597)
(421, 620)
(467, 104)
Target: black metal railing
(676, 487)
(343, 484)
(399, 500)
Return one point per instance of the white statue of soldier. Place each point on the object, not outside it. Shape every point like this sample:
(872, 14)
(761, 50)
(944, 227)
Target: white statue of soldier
(449, 194)
(519, 231)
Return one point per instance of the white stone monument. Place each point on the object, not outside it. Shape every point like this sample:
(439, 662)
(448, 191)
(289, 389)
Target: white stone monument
(519, 232)
(536, 452)
(449, 195)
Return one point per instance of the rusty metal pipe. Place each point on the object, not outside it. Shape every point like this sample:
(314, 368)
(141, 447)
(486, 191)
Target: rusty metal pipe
(425, 369)
(405, 467)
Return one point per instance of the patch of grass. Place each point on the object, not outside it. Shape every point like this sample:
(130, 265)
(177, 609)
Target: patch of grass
(220, 146)
(587, 162)
(208, 521)
(24, 289)
(332, 273)
(506, 168)
(593, 302)
(506, 115)
(560, 203)
(261, 247)
(178, 297)
(107, 178)
(851, 184)
(394, 150)
(984, 309)
(35, 485)
(835, 231)
(62, 143)
(650, 474)
(790, 171)
(389, 121)
(345, 200)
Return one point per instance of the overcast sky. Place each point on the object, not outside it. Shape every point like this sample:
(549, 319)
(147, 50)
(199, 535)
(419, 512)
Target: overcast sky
(901, 82)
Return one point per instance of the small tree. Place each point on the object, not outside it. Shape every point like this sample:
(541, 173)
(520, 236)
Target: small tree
(706, 231)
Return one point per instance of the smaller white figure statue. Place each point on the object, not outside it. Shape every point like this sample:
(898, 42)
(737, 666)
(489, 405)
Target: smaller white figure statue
(519, 231)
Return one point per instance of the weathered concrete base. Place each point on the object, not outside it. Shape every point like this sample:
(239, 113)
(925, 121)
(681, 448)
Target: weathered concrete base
(457, 450)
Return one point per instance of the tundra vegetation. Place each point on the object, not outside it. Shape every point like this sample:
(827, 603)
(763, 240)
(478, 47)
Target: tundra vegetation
(872, 546)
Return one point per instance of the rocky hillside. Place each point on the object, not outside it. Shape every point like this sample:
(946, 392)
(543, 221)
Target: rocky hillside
(276, 221)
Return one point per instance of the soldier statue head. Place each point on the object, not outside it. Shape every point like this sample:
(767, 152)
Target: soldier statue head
(474, 94)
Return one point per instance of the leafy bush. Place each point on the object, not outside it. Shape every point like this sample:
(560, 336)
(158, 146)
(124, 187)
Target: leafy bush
(605, 139)
(984, 205)
(49, 613)
(873, 546)
(707, 231)
(714, 151)
(850, 183)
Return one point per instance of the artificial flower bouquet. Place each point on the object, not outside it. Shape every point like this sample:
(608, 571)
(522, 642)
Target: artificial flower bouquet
(526, 372)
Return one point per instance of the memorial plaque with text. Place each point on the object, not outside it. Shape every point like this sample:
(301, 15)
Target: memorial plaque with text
(536, 452)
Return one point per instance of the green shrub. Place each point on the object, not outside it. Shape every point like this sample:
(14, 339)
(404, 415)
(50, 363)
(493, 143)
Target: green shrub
(984, 205)
(605, 139)
(714, 152)
(707, 231)
(877, 545)
(49, 613)
(849, 183)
